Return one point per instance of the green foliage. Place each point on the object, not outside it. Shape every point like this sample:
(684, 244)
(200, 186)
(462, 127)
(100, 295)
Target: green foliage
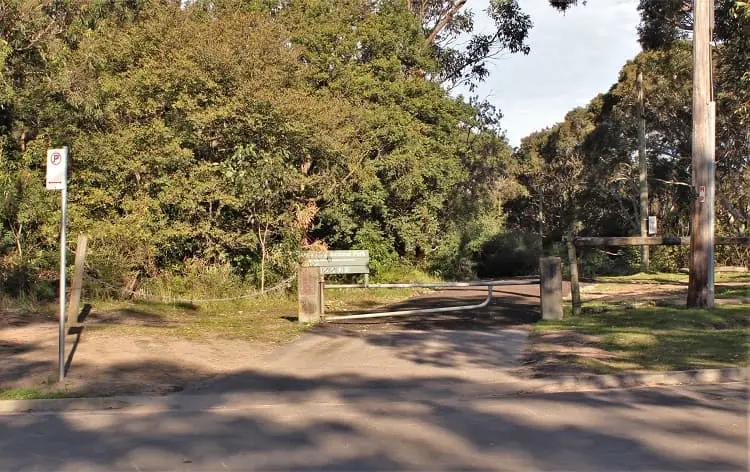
(593, 262)
(445, 22)
(461, 252)
(509, 254)
(405, 274)
(197, 280)
(581, 175)
(232, 134)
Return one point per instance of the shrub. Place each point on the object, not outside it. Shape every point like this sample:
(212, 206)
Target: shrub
(510, 254)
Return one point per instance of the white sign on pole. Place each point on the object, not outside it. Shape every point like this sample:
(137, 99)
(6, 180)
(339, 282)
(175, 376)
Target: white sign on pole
(57, 168)
(651, 225)
(57, 179)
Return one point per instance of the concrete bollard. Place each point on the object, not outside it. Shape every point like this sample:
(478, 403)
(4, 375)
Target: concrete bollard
(310, 295)
(550, 287)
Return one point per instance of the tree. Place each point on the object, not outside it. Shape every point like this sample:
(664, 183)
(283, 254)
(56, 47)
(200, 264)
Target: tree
(235, 132)
(606, 144)
(447, 22)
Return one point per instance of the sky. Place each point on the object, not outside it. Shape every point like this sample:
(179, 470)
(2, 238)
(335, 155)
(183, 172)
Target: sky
(574, 56)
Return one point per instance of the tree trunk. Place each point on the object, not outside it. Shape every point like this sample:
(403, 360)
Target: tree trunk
(17, 237)
(262, 237)
(262, 241)
(444, 21)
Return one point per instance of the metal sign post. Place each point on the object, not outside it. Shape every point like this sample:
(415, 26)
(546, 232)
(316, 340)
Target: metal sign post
(57, 179)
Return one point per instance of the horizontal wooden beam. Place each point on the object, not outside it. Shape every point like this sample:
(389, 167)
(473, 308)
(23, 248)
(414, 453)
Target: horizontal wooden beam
(652, 241)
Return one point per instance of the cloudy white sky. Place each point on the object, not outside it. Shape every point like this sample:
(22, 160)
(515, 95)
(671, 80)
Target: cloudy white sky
(573, 57)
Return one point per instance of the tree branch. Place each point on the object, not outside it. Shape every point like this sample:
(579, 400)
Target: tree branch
(670, 182)
(727, 205)
(445, 20)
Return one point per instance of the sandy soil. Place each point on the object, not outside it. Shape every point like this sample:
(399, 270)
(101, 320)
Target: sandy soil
(115, 363)
(106, 361)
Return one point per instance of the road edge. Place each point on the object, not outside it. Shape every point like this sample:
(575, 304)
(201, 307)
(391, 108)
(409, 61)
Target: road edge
(579, 383)
(590, 382)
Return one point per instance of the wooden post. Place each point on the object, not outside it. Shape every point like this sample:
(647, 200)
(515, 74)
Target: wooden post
(550, 287)
(703, 156)
(643, 174)
(710, 203)
(75, 291)
(309, 294)
(575, 288)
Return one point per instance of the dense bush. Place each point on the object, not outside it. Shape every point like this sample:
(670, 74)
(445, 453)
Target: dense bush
(233, 134)
(508, 254)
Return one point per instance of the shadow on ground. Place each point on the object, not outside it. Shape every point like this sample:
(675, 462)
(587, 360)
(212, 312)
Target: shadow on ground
(510, 306)
(349, 422)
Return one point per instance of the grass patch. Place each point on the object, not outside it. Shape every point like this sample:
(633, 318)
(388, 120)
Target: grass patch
(729, 285)
(732, 291)
(670, 278)
(266, 320)
(366, 299)
(643, 277)
(662, 338)
(32, 394)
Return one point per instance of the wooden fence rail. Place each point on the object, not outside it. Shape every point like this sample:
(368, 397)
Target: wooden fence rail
(652, 241)
(599, 241)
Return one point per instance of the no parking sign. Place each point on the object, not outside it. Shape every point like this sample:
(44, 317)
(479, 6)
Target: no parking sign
(57, 179)
(57, 168)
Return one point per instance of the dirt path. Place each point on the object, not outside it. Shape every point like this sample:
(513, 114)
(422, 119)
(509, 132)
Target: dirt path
(108, 363)
(117, 362)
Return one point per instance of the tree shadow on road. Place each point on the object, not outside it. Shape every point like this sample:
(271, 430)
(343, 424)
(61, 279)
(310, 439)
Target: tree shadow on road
(263, 420)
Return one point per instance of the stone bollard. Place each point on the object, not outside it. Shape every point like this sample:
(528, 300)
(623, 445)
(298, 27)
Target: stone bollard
(550, 287)
(309, 292)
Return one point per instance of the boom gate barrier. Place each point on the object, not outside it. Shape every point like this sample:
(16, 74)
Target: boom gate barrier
(316, 265)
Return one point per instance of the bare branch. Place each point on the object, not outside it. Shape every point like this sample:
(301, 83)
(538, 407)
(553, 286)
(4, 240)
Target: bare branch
(670, 182)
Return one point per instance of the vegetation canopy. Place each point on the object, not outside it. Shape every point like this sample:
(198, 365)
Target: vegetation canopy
(223, 136)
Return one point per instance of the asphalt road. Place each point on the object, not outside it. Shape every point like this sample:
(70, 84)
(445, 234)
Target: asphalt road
(326, 428)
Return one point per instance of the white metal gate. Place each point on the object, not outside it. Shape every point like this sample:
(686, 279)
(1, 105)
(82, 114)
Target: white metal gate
(424, 311)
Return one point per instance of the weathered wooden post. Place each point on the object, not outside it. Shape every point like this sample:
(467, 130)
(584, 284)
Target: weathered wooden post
(310, 295)
(75, 291)
(575, 287)
(550, 286)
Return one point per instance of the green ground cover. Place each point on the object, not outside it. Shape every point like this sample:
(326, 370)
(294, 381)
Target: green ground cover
(660, 338)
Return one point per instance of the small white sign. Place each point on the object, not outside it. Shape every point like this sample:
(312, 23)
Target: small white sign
(57, 168)
(702, 194)
(651, 225)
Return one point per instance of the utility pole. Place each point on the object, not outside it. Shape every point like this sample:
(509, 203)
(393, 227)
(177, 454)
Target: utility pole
(701, 234)
(643, 166)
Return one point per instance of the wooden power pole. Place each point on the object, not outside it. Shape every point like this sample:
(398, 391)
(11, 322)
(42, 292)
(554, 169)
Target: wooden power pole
(701, 234)
(643, 175)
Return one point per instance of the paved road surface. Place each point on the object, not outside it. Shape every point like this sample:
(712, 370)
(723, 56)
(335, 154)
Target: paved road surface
(697, 428)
